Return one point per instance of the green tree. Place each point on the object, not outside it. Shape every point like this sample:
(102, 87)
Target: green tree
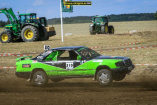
(156, 15)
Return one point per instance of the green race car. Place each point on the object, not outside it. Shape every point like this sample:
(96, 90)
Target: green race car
(73, 62)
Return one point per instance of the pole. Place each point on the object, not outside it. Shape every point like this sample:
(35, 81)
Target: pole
(61, 20)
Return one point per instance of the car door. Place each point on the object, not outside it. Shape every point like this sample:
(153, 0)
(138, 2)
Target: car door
(70, 65)
(49, 62)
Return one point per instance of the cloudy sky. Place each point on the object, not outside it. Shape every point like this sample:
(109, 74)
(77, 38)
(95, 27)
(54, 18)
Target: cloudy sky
(51, 8)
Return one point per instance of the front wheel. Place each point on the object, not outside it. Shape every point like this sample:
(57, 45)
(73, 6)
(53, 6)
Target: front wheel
(6, 36)
(104, 29)
(104, 77)
(91, 30)
(39, 78)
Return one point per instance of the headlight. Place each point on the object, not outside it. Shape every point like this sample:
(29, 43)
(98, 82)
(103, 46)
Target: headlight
(120, 64)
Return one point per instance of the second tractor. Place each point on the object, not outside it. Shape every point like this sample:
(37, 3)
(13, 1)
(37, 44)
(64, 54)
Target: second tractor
(100, 25)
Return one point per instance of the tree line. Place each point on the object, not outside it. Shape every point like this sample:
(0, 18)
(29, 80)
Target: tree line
(3, 23)
(112, 18)
(87, 19)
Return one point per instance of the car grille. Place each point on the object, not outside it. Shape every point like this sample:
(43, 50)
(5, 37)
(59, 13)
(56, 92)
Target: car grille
(128, 62)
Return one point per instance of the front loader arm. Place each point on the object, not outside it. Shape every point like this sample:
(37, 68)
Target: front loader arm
(10, 14)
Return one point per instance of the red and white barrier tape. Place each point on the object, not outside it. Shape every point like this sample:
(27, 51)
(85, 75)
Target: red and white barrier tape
(129, 48)
(8, 67)
(113, 45)
(90, 47)
(134, 64)
(146, 64)
(18, 55)
(97, 51)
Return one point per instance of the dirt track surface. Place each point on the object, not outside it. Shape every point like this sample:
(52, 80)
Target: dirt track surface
(138, 88)
(134, 89)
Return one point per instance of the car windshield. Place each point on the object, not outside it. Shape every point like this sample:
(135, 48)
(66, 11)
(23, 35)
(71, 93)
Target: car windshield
(87, 53)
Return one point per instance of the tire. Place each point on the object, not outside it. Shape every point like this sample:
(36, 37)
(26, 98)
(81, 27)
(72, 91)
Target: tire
(6, 36)
(104, 29)
(29, 33)
(91, 30)
(57, 80)
(39, 79)
(104, 77)
(119, 77)
(44, 35)
(111, 29)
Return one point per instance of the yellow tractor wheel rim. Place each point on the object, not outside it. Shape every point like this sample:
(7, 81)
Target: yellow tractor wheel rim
(5, 37)
(106, 29)
(112, 30)
(28, 34)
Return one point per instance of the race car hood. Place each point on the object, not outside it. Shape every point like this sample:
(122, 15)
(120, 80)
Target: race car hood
(109, 57)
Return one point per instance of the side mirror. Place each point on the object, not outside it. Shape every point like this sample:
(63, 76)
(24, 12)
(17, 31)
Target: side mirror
(40, 58)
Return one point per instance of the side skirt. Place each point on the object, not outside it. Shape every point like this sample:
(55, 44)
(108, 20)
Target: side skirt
(79, 76)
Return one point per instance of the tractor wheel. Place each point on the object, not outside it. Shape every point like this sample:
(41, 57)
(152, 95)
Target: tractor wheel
(104, 29)
(119, 77)
(104, 77)
(111, 29)
(91, 30)
(30, 33)
(6, 36)
(39, 78)
(44, 35)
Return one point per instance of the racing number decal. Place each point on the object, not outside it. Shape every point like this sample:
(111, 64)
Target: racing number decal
(69, 65)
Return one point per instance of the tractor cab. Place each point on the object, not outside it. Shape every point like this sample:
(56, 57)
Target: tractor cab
(42, 20)
(27, 18)
(100, 19)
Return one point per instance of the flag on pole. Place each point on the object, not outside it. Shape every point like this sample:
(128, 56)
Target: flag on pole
(66, 8)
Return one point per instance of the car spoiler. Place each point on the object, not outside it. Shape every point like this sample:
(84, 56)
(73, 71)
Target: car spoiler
(23, 58)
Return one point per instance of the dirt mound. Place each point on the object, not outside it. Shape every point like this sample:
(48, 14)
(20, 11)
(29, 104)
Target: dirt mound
(149, 78)
(147, 35)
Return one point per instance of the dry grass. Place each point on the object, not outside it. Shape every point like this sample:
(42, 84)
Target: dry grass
(81, 37)
(120, 27)
(1, 29)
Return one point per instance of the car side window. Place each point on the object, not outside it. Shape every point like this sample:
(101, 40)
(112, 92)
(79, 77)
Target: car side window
(69, 55)
(52, 56)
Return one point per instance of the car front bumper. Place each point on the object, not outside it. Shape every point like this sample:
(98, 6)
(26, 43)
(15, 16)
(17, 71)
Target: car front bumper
(125, 70)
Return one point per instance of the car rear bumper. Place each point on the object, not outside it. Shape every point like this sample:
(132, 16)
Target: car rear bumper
(23, 74)
(125, 70)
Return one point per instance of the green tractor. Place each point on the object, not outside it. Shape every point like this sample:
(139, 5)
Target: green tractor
(26, 28)
(99, 25)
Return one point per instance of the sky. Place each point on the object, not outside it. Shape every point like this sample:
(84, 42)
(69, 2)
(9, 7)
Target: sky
(51, 8)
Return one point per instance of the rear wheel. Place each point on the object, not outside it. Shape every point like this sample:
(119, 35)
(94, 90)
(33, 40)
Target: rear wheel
(44, 35)
(91, 30)
(30, 33)
(104, 77)
(6, 36)
(39, 78)
(104, 29)
(111, 29)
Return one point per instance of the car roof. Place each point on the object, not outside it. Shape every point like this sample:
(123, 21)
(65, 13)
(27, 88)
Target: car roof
(68, 48)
